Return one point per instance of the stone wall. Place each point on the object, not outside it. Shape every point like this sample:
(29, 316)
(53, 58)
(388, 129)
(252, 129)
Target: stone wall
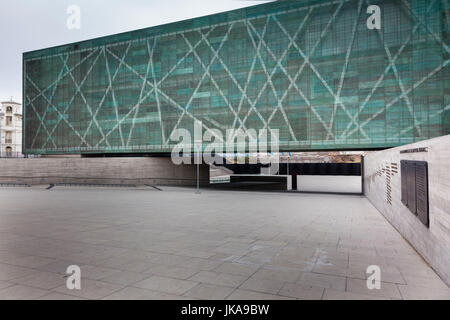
(136, 171)
(382, 186)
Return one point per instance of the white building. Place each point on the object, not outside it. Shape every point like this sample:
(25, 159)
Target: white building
(10, 129)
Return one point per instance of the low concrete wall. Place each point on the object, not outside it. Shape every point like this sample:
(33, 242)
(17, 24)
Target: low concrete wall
(338, 184)
(382, 186)
(136, 171)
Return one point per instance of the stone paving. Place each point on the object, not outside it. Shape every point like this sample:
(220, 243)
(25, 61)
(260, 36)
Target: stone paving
(174, 244)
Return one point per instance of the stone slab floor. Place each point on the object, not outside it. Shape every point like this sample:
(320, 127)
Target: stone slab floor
(174, 244)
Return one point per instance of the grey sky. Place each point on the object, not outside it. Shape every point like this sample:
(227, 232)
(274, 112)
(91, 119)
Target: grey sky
(27, 25)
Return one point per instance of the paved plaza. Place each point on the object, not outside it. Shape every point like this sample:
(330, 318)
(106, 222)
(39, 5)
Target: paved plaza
(142, 243)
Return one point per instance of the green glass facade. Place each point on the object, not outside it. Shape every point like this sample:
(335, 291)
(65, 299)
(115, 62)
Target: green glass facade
(311, 69)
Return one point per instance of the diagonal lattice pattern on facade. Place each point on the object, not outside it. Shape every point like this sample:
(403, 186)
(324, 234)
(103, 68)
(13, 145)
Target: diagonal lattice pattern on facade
(311, 69)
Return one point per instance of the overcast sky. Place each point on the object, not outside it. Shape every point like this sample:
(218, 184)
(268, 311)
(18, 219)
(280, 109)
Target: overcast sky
(27, 25)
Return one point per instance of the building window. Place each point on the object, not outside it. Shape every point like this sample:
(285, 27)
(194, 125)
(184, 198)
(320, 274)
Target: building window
(8, 121)
(8, 137)
(9, 109)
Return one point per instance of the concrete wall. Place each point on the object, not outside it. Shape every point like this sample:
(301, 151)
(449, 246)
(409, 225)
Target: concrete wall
(138, 171)
(382, 186)
(338, 184)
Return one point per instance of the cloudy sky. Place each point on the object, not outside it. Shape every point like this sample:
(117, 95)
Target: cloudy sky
(30, 25)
